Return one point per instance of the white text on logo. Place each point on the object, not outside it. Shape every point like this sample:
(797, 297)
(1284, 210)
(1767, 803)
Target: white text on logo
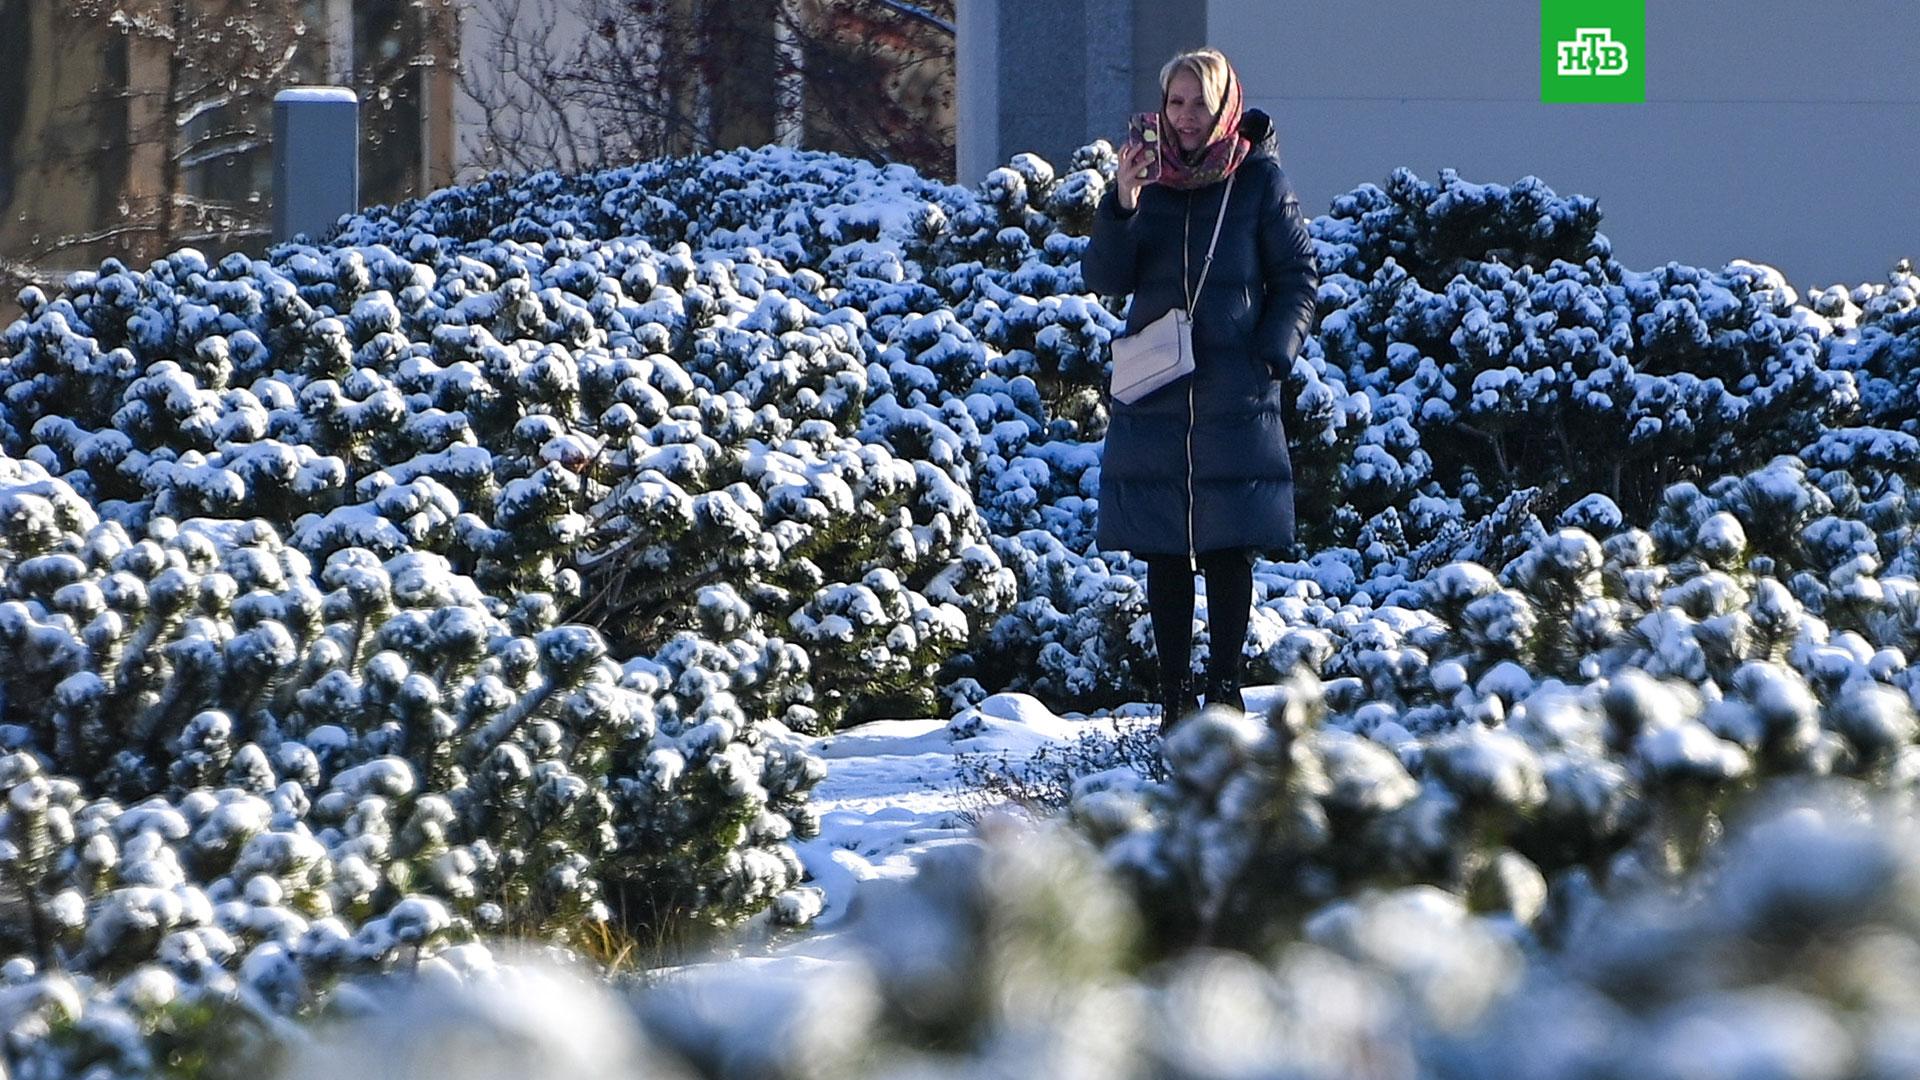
(1592, 52)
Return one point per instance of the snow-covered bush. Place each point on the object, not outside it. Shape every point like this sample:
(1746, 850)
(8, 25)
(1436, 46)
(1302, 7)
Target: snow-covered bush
(1880, 345)
(226, 770)
(1787, 955)
(468, 572)
(1593, 703)
(1622, 776)
(1041, 782)
(529, 412)
(781, 372)
(1493, 340)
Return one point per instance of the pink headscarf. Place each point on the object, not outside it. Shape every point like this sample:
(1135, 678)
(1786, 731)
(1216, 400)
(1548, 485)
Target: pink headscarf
(1224, 151)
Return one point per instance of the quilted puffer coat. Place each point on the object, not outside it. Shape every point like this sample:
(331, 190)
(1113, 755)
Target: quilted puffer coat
(1201, 463)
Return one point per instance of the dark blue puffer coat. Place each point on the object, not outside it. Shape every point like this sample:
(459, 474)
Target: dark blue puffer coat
(1251, 320)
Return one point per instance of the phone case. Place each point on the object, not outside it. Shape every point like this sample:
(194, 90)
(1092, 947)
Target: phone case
(1144, 129)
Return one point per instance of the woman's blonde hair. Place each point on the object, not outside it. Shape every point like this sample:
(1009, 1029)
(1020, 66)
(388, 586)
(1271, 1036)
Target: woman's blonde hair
(1208, 65)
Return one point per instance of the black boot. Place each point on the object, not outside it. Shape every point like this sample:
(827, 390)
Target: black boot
(1224, 693)
(1229, 606)
(1223, 688)
(1176, 701)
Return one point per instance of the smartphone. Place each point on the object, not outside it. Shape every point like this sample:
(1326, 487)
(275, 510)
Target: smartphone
(1144, 130)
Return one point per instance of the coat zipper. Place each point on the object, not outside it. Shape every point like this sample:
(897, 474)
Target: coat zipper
(1193, 558)
(1186, 253)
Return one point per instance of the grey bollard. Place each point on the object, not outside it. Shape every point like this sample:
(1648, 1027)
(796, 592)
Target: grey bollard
(316, 159)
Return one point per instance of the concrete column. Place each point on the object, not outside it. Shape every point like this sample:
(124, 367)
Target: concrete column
(1050, 78)
(790, 84)
(153, 174)
(440, 39)
(1043, 77)
(338, 15)
(316, 159)
(976, 90)
(1160, 29)
(1110, 63)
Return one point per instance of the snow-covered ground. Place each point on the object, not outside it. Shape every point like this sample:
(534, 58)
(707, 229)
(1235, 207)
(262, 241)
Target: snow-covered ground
(898, 789)
(894, 790)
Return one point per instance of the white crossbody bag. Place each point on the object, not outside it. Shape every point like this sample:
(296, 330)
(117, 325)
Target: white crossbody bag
(1163, 349)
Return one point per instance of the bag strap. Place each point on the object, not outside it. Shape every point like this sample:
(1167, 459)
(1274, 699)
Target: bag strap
(1193, 295)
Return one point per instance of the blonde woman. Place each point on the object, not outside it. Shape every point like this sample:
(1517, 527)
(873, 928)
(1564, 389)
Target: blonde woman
(1195, 476)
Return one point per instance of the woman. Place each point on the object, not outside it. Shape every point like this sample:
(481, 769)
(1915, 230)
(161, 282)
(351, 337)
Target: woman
(1195, 476)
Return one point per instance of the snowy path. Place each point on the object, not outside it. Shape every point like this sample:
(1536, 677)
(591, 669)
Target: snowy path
(891, 794)
(894, 791)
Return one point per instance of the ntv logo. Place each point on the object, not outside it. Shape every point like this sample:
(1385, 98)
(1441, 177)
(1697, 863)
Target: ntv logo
(1592, 52)
(1580, 39)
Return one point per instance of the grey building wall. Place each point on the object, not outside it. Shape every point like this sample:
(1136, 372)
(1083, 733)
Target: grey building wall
(1048, 78)
(976, 88)
(1159, 31)
(1775, 131)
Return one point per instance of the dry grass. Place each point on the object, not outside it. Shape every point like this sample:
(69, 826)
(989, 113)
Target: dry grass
(1041, 783)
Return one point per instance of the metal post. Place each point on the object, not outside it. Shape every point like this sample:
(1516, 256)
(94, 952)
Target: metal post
(316, 159)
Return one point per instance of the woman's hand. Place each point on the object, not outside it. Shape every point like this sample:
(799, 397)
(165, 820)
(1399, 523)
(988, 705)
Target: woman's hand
(1136, 162)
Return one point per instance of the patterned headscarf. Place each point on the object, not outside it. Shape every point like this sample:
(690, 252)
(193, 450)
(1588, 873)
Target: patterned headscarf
(1223, 153)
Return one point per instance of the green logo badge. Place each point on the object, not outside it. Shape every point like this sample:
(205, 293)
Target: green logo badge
(1593, 50)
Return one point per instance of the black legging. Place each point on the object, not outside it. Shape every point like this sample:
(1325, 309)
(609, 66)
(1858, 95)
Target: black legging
(1229, 574)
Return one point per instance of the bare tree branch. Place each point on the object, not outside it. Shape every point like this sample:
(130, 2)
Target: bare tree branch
(114, 232)
(581, 83)
(191, 115)
(914, 11)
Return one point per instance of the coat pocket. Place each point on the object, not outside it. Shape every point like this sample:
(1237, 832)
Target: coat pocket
(1242, 317)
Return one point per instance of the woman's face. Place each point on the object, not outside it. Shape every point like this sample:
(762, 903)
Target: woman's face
(1187, 111)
